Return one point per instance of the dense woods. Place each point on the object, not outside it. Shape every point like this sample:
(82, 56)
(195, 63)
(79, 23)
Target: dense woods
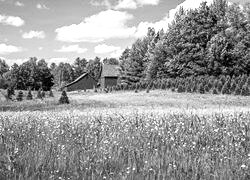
(210, 41)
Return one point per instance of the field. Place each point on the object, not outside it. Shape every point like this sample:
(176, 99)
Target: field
(126, 135)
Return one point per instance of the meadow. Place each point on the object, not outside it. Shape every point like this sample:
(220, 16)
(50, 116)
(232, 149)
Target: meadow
(126, 135)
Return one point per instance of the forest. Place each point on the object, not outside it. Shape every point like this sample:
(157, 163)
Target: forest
(210, 41)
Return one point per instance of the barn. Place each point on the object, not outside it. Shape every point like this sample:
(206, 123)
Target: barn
(84, 82)
(109, 76)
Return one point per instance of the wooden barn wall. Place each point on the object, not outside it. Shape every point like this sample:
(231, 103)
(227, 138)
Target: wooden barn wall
(85, 83)
(108, 82)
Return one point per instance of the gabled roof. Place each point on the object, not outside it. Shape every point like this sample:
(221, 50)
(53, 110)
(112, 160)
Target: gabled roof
(110, 71)
(78, 79)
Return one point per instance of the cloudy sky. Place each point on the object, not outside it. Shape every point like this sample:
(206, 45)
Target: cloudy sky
(61, 30)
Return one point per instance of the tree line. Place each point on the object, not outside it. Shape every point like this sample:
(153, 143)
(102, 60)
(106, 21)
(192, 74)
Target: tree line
(211, 40)
(38, 74)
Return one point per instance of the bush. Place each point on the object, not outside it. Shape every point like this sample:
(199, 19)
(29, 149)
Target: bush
(43, 93)
(51, 93)
(29, 96)
(10, 92)
(206, 88)
(20, 96)
(64, 98)
(180, 89)
(39, 94)
(201, 89)
(245, 90)
(226, 88)
(215, 91)
(237, 90)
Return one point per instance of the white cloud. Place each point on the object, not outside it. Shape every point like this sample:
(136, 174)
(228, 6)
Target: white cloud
(117, 53)
(97, 28)
(42, 6)
(126, 4)
(34, 34)
(18, 3)
(164, 23)
(148, 2)
(103, 49)
(8, 49)
(11, 20)
(72, 48)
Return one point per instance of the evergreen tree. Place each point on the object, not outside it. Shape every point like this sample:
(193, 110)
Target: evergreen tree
(64, 98)
(226, 88)
(245, 90)
(29, 95)
(39, 94)
(237, 90)
(20, 96)
(215, 91)
(51, 93)
(201, 88)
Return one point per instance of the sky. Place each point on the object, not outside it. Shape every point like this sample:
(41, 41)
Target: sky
(62, 30)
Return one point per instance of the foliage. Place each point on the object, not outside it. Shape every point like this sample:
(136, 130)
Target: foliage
(29, 95)
(64, 98)
(19, 96)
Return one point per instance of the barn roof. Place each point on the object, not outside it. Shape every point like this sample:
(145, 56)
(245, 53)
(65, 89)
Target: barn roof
(78, 79)
(110, 70)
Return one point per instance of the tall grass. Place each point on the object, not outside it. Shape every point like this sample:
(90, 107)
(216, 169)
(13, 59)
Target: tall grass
(52, 145)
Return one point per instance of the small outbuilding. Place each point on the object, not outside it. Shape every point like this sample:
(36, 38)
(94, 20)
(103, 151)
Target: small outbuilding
(84, 82)
(109, 75)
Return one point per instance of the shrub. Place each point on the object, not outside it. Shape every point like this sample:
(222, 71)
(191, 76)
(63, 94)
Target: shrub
(180, 89)
(51, 93)
(215, 91)
(219, 86)
(39, 94)
(43, 94)
(237, 90)
(206, 88)
(10, 92)
(201, 89)
(226, 88)
(20, 96)
(245, 90)
(29, 95)
(64, 98)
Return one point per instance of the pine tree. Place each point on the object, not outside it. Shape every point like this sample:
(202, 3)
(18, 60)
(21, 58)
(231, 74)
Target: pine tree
(206, 88)
(215, 91)
(51, 93)
(226, 88)
(201, 88)
(237, 90)
(20, 96)
(10, 92)
(245, 90)
(180, 88)
(29, 96)
(43, 93)
(39, 94)
(64, 98)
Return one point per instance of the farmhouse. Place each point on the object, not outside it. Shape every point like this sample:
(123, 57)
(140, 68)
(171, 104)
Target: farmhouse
(109, 75)
(85, 81)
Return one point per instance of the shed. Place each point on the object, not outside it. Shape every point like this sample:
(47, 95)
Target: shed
(109, 75)
(84, 82)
